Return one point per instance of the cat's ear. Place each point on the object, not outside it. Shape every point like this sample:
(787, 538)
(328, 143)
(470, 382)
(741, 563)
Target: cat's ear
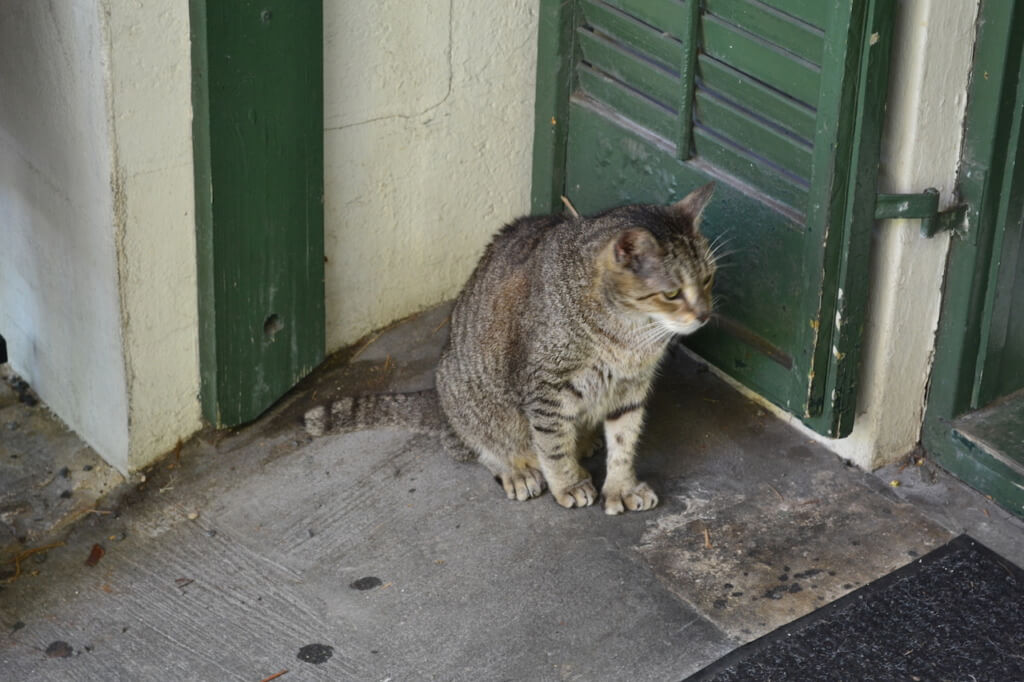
(689, 208)
(636, 249)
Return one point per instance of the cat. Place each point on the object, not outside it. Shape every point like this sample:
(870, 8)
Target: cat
(558, 332)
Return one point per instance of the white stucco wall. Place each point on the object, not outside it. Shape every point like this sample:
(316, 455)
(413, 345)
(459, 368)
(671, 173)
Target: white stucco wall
(150, 114)
(428, 146)
(59, 298)
(97, 263)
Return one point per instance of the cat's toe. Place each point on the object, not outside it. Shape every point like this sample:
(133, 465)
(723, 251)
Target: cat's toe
(613, 504)
(637, 498)
(522, 484)
(582, 494)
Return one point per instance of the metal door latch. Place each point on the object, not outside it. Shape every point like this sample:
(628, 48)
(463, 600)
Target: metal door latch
(924, 206)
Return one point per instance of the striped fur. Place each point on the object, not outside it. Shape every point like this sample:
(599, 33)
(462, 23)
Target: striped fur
(556, 336)
(558, 333)
(420, 412)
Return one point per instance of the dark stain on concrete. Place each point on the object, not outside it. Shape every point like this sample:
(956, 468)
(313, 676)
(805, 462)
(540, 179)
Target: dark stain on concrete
(315, 653)
(59, 649)
(367, 583)
(782, 521)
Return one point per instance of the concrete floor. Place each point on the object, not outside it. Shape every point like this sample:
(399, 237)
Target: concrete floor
(370, 556)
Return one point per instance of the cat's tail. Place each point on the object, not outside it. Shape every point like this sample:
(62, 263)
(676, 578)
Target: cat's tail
(420, 412)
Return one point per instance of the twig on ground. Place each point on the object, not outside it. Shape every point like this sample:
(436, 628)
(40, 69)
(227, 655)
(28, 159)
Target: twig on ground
(443, 323)
(274, 676)
(572, 209)
(18, 558)
(366, 345)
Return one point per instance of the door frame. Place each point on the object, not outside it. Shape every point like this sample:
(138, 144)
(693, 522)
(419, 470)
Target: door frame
(992, 127)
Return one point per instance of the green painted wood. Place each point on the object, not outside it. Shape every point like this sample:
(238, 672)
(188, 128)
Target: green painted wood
(646, 113)
(1005, 354)
(666, 15)
(989, 161)
(779, 286)
(750, 132)
(998, 430)
(776, 68)
(639, 36)
(641, 74)
(796, 37)
(975, 467)
(687, 78)
(824, 249)
(1001, 344)
(555, 59)
(776, 108)
(738, 162)
(989, 118)
(990, 113)
(813, 12)
(854, 214)
(903, 206)
(647, 172)
(208, 376)
(258, 91)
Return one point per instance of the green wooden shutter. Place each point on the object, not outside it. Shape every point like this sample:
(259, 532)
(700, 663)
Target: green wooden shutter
(781, 102)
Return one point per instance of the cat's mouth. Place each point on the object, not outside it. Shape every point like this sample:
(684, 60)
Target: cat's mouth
(685, 328)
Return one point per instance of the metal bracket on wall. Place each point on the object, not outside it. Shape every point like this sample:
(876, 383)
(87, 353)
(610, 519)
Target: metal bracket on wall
(923, 206)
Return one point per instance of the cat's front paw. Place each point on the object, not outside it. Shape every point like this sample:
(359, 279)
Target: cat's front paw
(581, 494)
(637, 497)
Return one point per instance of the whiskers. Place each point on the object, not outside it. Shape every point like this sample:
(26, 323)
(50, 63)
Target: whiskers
(718, 251)
(651, 335)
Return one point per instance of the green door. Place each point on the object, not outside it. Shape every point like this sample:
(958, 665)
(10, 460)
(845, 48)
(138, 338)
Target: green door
(257, 95)
(974, 423)
(780, 102)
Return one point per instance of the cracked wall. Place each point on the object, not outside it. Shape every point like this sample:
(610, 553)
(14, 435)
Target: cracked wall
(428, 144)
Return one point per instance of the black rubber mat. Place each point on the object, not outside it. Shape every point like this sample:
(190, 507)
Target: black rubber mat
(955, 614)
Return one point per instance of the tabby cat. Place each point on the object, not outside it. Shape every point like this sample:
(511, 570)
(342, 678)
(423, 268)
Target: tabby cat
(559, 331)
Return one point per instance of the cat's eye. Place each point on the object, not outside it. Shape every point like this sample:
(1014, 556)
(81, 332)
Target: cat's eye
(671, 295)
(708, 280)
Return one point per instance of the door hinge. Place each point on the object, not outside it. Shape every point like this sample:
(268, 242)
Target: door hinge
(924, 206)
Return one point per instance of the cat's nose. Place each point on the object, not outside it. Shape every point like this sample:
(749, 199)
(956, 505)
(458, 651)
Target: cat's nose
(704, 317)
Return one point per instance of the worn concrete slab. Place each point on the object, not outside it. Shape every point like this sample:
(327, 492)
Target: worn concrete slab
(471, 586)
(48, 477)
(954, 505)
(228, 562)
(761, 526)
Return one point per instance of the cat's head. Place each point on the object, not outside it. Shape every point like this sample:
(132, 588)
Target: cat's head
(661, 266)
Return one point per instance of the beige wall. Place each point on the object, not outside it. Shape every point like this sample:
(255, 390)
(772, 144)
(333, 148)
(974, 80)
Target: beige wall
(429, 128)
(97, 267)
(429, 119)
(429, 115)
(150, 113)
